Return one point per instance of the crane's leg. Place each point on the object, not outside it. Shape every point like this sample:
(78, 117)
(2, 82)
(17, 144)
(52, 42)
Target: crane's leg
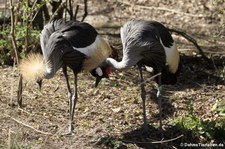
(159, 97)
(143, 97)
(73, 102)
(67, 82)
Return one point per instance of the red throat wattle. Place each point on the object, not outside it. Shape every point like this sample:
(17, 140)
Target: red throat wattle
(108, 70)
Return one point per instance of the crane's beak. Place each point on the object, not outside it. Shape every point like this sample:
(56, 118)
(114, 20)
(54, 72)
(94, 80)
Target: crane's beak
(98, 79)
(39, 82)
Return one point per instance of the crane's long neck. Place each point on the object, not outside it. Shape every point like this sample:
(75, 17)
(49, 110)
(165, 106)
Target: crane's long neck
(122, 65)
(49, 73)
(52, 65)
(115, 65)
(129, 59)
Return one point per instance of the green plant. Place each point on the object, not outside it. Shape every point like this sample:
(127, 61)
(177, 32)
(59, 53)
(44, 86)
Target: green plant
(207, 130)
(112, 143)
(221, 108)
(6, 48)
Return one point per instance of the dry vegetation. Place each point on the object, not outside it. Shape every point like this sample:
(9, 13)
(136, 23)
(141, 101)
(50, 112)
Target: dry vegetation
(110, 116)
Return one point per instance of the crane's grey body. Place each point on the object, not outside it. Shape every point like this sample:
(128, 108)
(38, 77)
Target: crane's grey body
(148, 43)
(59, 41)
(73, 44)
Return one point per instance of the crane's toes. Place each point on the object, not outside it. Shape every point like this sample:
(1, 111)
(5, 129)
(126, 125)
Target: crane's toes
(145, 129)
(70, 131)
(68, 134)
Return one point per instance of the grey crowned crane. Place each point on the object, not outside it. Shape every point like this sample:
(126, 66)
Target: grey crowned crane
(148, 43)
(73, 44)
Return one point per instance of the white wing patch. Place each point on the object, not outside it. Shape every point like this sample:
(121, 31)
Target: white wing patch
(89, 50)
(96, 56)
(172, 57)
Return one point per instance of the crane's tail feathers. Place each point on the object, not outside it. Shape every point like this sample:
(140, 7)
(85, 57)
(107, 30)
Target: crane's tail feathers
(33, 67)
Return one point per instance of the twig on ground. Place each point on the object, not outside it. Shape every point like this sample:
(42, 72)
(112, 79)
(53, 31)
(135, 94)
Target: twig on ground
(56, 88)
(169, 140)
(161, 9)
(155, 142)
(9, 140)
(151, 78)
(24, 111)
(26, 125)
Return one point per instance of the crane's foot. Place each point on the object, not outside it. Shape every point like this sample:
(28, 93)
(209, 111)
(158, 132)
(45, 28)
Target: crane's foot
(145, 129)
(70, 132)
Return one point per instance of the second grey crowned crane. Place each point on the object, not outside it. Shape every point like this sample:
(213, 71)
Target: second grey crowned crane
(73, 44)
(148, 43)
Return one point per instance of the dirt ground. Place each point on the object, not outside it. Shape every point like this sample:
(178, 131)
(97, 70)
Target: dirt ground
(110, 116)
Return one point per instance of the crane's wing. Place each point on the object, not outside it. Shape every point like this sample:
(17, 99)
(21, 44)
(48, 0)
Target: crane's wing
(79, 34)
(161, 32)
(71, 42)
(79, 37)
(48, 30)
(154, 56)
(136, 33)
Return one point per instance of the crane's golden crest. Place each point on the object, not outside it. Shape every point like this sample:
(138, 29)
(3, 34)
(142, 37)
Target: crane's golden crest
(33, 67)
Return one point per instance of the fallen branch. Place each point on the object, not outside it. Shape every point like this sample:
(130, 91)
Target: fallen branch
(22, 110)
(151, 78)
(28, 126)
(164, 141)
(161, 9)
(155, 142)
(192, 40)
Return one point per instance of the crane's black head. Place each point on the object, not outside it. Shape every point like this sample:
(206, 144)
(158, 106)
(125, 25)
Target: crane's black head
(101, 72)
(39, 82)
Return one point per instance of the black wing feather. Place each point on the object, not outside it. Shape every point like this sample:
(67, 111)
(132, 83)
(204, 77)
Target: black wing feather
(60, 39)
(79, 34)
(161, 31)
(153, 30)
(74, 60)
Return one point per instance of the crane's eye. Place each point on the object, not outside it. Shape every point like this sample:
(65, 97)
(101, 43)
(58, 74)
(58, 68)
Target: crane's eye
(99, 71)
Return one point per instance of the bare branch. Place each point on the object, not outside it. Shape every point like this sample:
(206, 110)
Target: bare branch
(28, 126)
(85, 10)
(156, 142)
(71, 10)
(19, 89)
(13, 32)
(192, 40)
(61, 6)
(169, 140)
(75, 15)
(151, 78)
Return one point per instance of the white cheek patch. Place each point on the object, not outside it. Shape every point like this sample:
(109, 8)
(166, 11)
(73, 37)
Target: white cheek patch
(99, 71)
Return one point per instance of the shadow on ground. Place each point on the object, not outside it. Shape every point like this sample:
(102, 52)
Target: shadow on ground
(147, 140)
